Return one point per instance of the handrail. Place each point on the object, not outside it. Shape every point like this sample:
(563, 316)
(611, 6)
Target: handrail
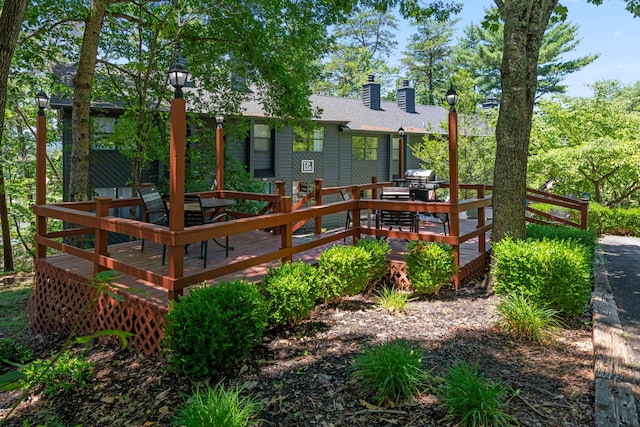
(91, 217)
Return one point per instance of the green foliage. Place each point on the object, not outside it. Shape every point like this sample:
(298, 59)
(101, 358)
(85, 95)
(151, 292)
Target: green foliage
(473, 399)
(392, 371)
(378, 251)
(67, 373)
(290, 291)
(218, 407)
(430, 265)
(553, 272)
(343, 270)
(392, 300)
(214, 326)
(619, 221)
(12, 351)
(529, 321)
(585, 238)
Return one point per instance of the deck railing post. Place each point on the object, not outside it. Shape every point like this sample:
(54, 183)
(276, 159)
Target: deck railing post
(355, 216)
(102, 236)
(317, 190)
(482, 246)
(277, 207)
(584, 212)
(286, 230)
(374, 190)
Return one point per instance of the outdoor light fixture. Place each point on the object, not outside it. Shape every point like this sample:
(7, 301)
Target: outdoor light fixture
(178, 77)
(400, 153)
(401, 131)
(452, 97)
(42, 101)
(219, 119)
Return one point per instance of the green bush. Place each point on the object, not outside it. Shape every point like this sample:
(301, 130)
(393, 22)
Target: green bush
(526, 320)
(430, 265)
(290, 291)
(67, 373)
(586, 238)
(214, 326)
(474, 399)
(12, 351)
(552, 272)
(378, 251)
(343, 270)
(619, 221)
(391, 371)
(218, 407)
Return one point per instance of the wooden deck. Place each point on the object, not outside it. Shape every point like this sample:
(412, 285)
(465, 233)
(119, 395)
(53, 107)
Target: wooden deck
(246, 246)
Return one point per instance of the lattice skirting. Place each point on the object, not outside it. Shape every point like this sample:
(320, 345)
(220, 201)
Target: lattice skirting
(475, 269)
(60, 298)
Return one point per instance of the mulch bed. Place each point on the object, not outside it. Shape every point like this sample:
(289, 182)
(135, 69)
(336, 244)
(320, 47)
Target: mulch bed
(302, 376)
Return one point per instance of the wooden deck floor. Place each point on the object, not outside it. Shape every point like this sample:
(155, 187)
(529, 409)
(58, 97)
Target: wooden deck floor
(246, 246)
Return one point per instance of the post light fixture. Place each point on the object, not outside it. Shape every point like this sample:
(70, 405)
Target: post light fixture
(219, 119)
(42, 101)
(178, 77)
(452, 97)
(219, 152)
(401, 154)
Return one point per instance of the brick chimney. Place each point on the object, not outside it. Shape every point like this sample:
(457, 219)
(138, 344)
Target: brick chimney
(371, 93)
(407, 98)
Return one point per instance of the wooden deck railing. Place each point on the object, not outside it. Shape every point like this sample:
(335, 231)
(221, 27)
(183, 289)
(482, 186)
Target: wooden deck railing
(93, 218)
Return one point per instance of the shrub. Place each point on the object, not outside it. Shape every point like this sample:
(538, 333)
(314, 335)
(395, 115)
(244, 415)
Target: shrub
(586, 238)
(214, 326)
(392, 300)
(552, 272)
(343, 270)
(620, 221)
(218, 407)
(12, 351)
(291, 291)
(378, 251)
(67, 373)
(391, 371)
(430, 265)
(472, 398)
(526, 320)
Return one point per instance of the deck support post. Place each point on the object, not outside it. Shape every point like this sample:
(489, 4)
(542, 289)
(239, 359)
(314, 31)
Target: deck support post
(177, 151)
(286, 230)
(317, 221)
(102, 236)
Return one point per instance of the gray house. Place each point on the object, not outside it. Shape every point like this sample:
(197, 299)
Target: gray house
(354, 140)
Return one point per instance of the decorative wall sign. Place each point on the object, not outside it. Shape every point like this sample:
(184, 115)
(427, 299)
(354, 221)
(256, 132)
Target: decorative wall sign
(307, 166)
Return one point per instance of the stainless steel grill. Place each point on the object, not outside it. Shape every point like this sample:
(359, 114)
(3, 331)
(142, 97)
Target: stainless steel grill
(422, 183)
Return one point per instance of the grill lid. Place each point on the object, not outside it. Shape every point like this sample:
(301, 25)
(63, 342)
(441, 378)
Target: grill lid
(422, 174)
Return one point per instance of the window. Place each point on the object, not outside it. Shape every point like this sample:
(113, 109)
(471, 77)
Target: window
(262, 138)
(309, 141)
(395, 150)
(102, 128)
(364, 147)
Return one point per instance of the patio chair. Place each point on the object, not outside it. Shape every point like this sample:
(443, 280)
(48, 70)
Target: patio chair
(365, 215)
(155, 211)
(399, 219)
(194, 214)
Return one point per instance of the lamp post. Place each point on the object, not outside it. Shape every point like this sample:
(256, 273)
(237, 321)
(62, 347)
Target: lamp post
(452, 99)
(401, 153)
(42, 101)
(219, 152)
(178, 77)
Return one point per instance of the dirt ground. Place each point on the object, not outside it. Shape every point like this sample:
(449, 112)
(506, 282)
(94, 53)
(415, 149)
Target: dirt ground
(301, 377)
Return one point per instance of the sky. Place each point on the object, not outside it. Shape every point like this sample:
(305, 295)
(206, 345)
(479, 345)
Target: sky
(607, 29)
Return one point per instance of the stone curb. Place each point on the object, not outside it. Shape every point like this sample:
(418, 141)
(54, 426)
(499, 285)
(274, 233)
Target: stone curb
(613, 368)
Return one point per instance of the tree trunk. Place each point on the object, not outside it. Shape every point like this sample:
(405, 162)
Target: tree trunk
(524, 24)
(81, 113)
(13, 12)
